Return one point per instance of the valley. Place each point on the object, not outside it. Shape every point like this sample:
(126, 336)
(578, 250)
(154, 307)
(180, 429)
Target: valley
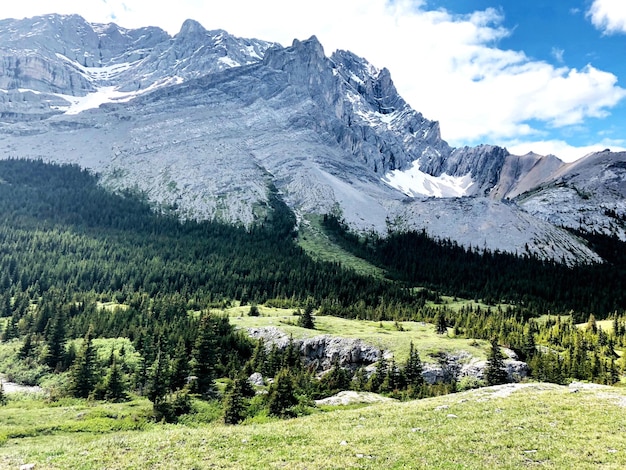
(204, 238)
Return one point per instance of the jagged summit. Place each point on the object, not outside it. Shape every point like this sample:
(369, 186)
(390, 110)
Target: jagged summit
(206, 123)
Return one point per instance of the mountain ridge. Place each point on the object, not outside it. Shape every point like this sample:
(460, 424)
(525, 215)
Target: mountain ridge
(205, 123)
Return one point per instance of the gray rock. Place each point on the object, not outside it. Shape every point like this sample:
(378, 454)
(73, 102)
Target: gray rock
(322, 351)
(256, 379)
(206, 124)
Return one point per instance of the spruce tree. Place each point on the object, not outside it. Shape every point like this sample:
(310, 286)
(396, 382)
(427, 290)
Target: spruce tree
(495, 372)
(394, 380)
(281, 397)
(180, 367)
(55, 337)
(83, 372)
(235, 402)
(3, 397)
(441, 326)
(306, 319)
(114, 385)
(204, 358)
(382, 368)
(336, 379)
(158, 381)
(27, 348)
(10, 330)
(413, 368)
(259, 358)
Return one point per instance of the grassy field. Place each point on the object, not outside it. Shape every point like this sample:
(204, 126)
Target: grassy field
(506, 427)
(317, 244)
(390, 335)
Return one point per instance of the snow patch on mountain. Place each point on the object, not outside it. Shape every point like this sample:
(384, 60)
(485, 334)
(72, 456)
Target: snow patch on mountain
(414, 182)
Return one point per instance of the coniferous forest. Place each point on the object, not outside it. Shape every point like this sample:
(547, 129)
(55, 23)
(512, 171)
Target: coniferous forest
(68, 247)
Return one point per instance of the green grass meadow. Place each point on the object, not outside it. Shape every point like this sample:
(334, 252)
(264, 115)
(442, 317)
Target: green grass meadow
(506, 427)
(387, 335)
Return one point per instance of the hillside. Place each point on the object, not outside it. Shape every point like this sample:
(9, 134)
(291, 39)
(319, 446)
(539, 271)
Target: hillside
(528, 425)
(206, 123)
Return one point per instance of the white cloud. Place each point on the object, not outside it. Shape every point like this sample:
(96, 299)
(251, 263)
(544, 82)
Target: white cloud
(608, 15)
(447, 66)
(562, 149)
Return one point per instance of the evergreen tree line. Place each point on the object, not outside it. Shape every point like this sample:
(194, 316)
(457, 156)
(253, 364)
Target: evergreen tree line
(555, 349)
(60, 229)
(523, 279)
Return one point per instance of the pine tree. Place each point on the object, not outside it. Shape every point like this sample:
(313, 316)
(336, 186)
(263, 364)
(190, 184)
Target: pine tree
(413, 368)
(27, 348)
(441, 326)
(204, 358)
(158, 380)
(306, 319)
(235, 402)
(394, 380)
(114, 385)
(495, 372)
(281, 396)
(592, 324)
(180, 367)
(254, 311)
(378, 377)
(10, 330)
(259, 358)
(55, 337)
(83, 372)
(336, 379)
(291, 356)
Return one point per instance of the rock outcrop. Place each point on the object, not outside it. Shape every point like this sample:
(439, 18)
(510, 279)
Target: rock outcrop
(321, 352)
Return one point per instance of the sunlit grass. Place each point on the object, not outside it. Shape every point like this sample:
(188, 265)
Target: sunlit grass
(540, 425)
(388, 335)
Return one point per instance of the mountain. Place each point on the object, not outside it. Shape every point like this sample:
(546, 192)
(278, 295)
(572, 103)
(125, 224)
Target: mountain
(208, 125)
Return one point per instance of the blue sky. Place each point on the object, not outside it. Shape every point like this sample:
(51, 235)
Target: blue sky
(541, 75)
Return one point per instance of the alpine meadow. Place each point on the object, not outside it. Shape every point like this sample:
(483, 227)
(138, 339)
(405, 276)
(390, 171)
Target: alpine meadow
(219, 252)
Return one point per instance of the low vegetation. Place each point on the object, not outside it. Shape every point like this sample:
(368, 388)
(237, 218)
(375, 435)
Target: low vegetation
(527, 425)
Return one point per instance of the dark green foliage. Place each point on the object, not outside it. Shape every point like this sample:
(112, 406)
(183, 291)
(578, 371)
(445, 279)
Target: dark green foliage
(10, 330)
(335, 380)
(3, 397)
(413, 368)
(377, 378)
(204, 358)
(394, 380)
(158, 379)
(281, 397)
(83, 374)
(495, 372)
(180, 367)
(254, 311)
(291, 358)
(418, 259)
(61, 229)
(235, 401)
(306, 319)
(27, 348)
(441, 325)
(173, 406)
(114, 385)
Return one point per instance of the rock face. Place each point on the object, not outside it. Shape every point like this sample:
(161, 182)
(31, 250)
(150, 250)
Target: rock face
(322, 351)
(462, 364)
(207, 124)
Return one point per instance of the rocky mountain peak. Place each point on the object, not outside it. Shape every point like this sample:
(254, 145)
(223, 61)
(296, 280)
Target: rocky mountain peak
(190, 28)
(206, 123)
